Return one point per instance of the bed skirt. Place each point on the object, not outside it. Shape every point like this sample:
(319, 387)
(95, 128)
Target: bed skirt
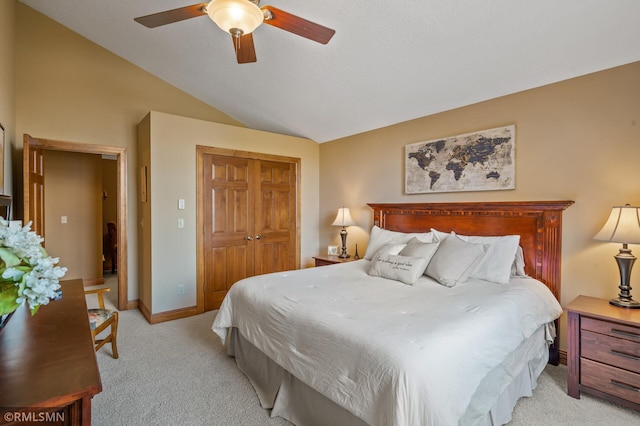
(293, 400)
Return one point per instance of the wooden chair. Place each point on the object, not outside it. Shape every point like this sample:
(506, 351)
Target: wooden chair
(100, 319)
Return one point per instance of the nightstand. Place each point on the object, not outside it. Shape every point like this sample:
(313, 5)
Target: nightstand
(603, 355)
(331, 260)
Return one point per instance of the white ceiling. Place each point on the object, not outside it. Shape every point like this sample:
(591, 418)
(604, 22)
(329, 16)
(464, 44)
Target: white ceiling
(389, 61)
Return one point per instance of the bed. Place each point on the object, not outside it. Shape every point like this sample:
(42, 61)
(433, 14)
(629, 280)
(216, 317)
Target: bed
(336, 345)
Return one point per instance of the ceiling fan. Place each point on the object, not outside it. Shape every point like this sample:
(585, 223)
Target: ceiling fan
(240, 18)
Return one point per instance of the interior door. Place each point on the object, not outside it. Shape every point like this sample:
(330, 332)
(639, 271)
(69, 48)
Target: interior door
(33, 175)
(275, 217)
(249, 220)
(228, 225)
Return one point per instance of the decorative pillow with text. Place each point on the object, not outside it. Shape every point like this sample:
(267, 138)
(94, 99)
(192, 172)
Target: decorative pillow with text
(406, 269)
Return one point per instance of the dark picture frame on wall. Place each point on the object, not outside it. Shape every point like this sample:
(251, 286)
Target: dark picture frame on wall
(1, 159)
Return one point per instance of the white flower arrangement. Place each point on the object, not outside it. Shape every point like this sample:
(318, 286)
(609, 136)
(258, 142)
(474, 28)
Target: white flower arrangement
(27, 273)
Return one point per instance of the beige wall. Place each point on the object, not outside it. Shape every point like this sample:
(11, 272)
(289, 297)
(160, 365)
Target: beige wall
(69, 89)
(7, 86)
(575, 140)
(73, 188)
(173, 176)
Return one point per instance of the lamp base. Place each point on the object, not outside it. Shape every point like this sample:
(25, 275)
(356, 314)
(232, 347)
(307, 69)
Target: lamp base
(625, 261)
(343, 236)
(629, 304)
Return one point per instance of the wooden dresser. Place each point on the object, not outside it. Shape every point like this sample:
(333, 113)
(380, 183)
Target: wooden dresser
(603, 356)
(48, 367)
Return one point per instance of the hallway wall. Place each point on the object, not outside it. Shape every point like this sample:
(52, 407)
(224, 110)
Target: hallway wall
(73, 192)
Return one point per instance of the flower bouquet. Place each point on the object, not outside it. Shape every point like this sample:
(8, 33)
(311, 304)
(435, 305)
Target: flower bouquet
(27, 273)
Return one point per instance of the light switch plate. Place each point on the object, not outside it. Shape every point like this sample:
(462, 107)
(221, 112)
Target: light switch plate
(181, 204)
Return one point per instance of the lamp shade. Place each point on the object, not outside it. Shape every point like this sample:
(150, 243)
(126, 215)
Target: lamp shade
(235, 16)
(343, 218)
(623, 226)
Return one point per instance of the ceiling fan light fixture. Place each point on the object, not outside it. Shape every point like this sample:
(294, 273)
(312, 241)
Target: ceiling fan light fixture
(235, 16)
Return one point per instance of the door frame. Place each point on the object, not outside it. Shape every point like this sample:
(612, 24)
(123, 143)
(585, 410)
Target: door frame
(121, 159)
(201, 150)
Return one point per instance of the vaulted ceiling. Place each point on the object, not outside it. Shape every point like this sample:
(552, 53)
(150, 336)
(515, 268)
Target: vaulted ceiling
(388, 62)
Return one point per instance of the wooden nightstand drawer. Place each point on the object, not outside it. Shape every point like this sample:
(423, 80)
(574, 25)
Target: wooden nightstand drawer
(610, 350)
(331, 260)
(614, 381)
(324, 262)
(612, 329)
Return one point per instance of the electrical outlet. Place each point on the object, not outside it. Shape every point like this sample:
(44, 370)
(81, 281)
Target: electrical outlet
(180, 289)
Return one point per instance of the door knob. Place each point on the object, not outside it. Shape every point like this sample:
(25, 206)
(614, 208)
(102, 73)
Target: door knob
(249, 238)
(258, 237)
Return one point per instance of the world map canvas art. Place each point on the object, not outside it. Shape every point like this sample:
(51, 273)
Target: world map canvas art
(479, 161)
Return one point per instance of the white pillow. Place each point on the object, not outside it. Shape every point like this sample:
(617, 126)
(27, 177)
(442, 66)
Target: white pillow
(439, 235)
(390, 248)
(517, 267)
(380, 236)
(454, 260)
(416, 248)
(496, 264)
(406, 269)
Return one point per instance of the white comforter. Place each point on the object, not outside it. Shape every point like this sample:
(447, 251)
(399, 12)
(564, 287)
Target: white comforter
(390, 353)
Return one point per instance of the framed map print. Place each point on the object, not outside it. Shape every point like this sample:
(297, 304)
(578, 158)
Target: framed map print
(479, 161)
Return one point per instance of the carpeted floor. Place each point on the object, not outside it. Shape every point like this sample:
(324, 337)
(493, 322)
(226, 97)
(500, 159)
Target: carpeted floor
(177, 373)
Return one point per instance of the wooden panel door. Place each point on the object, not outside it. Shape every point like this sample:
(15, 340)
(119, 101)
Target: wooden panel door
(275, 218)
(33, 176)
(228, 225)
(250, 221)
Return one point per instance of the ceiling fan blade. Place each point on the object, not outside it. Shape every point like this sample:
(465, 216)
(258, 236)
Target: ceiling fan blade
(245, 50)
(173, 15)
(296, 25)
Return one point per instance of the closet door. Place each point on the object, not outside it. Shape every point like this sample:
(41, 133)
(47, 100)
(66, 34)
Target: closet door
(228, 225)
(275, 218)
(250, 221)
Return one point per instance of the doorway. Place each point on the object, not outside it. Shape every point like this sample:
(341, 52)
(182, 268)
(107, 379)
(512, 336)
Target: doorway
(34, 173)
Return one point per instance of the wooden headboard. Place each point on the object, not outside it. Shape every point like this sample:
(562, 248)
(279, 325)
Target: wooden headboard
(539, 224)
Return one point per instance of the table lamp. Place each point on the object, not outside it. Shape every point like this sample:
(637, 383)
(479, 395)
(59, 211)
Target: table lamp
(343, 218)
(623, 226)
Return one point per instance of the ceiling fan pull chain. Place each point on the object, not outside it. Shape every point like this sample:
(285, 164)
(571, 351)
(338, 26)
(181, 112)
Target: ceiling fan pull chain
(236, 33)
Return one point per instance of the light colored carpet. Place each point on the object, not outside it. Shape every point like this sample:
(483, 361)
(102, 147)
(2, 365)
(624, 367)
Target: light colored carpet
(177, 373)
(111, 297)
